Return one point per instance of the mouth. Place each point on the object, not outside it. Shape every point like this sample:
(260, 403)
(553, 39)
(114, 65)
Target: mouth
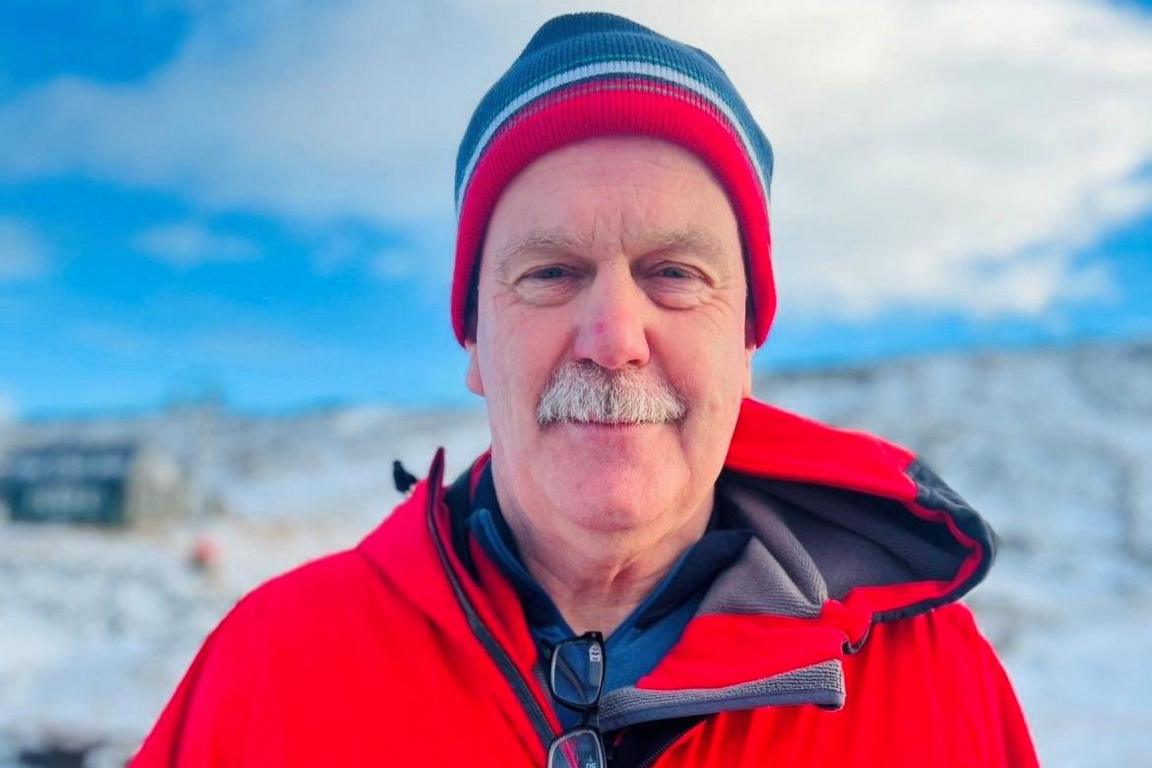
(608, 425)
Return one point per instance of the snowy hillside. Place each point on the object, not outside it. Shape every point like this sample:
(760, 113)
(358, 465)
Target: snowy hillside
(1053, 447)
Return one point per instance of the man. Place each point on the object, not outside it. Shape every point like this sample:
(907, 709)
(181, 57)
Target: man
(771, 590)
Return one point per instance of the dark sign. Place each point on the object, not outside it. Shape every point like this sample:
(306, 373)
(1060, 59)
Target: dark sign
(69, 483)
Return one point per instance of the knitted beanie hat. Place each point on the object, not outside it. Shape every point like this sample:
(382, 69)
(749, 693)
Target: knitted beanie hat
(585, 75)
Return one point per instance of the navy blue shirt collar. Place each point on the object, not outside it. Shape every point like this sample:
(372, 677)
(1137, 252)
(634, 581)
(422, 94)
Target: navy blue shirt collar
(641, 641)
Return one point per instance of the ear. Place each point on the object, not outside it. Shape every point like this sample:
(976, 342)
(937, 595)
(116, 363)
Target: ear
(749, 325)
(749, 346)
(473, 379)
(749, 351)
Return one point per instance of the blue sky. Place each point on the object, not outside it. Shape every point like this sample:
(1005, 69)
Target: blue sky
(255, 199)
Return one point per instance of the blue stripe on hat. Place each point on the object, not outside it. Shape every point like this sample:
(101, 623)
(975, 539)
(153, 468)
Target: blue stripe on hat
(583, 47)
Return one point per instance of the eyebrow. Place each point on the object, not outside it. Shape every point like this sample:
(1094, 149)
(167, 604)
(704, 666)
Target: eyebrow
(535, 241)
(698, 241)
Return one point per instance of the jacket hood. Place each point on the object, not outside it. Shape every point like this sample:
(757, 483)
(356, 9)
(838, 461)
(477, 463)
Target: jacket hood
(887, 534)
(849, 530)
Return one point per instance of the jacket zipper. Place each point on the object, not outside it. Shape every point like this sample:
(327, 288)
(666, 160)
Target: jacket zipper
(663, 747)
(623, 752)
(497, 653)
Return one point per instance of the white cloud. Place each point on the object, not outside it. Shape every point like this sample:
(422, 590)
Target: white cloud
(922, 148)
(394, 264)
(23, 253)
(187, 245)
(319, 110)
(427, 259)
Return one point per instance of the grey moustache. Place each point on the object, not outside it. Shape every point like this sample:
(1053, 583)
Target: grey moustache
(586, 393)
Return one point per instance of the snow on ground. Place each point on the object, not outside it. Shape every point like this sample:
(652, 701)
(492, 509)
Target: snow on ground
(1053, 447)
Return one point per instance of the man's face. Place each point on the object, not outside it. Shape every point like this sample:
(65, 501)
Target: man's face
(621, 252)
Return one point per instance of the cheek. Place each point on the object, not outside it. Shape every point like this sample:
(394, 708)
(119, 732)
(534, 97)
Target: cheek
(715, 392)
(715, 377)
(719, 385)
(515, 367)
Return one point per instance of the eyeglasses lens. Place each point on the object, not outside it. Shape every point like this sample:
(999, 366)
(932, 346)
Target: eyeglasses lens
(578, 672)
(580, 748)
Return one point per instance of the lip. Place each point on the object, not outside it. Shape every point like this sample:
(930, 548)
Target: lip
(613, 428)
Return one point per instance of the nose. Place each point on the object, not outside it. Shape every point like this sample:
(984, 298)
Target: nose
(613, 321)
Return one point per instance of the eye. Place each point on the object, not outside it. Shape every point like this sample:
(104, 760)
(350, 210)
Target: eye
(549, 283)
(673, 271)
(677, 285)
(547, 273)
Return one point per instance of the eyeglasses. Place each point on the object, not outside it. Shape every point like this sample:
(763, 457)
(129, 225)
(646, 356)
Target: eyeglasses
(576, 680)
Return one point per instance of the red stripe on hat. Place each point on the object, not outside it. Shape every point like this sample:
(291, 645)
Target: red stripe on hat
(617, 107)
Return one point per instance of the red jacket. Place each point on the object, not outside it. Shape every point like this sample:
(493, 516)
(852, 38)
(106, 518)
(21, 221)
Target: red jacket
(834, 639)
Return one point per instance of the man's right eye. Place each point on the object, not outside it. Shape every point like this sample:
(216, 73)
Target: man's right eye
(547, 285)
(547, 273)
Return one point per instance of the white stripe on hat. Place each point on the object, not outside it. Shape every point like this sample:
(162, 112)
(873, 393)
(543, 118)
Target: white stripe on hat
(618, 67)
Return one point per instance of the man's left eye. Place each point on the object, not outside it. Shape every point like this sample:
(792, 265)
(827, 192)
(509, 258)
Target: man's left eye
(672, 271)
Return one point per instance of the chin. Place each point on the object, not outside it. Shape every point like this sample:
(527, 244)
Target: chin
(608, 501)
(609, 515)
(612, 456)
